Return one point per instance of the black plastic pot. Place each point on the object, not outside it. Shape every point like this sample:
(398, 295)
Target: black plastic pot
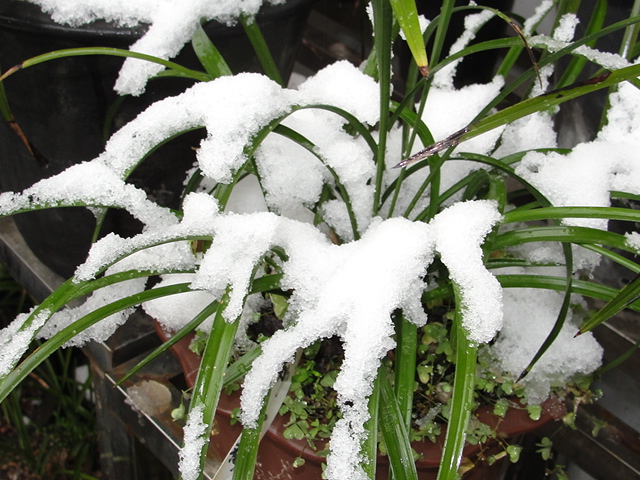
(62, 107)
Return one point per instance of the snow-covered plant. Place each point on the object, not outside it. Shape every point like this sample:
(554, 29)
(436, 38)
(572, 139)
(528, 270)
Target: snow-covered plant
(361, 236)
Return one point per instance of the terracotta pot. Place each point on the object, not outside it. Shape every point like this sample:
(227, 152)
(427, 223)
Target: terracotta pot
(276, 453)
(63, 108)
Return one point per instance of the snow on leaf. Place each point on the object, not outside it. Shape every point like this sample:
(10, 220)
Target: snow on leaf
(350, 291)
(171, 26)
(461, 229)
(89, 183)
(194, 432)
(16, 338)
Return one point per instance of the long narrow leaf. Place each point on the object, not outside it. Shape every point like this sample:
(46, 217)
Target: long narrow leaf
(462, 403)
(114, 52)
(577, 63)
(7, 115)
(261, 48)
(396, 435)
(547, 282)
(370, 446)
(206, 391)
(208, 55)
(382, 24)
(581, 287)
(626, 296)
(311, 148)
(407, 15)
(442, 27)
(614, 363)
(576, 235)
(247, 452)
(243, 465)
(561, 213)
(405, 367)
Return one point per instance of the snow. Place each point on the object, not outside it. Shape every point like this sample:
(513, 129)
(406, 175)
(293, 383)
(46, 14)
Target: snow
(588, 174)
(461, 229)
(529, 317)
(174, 311)
(633, 240)
(540, 12)
(16, 338)
(527, 133)
(472, 23)
(171, 26)
(610, 61)
(193, 442)
(90, 183)
(566, 28)
(233, 109)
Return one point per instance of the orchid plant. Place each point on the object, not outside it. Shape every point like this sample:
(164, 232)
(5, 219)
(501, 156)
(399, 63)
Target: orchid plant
(366, 211)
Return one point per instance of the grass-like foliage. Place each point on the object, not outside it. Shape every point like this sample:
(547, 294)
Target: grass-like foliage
(453, 208)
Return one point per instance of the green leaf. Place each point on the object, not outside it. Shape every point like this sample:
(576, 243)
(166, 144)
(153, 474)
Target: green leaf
(535, 412)
(406, 13)
(178, 413)
(394, 431)
(210, 379)
(344, 193)
(188, 328)
(549, 100)
(501, 407)
(370, 446)
(544, 448)
(442, 28)
(462, 402)
(294, 431)
(209, 56)
(405, 367)
(562, 315)
(614, 363)
(514, 453)
(581, 287)
(575, 67)
(382, 25)
(280, 305)
(577, 235)
(560, 213)
(261, 48)
(115, 52)
(248, 450)
(625, 297)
